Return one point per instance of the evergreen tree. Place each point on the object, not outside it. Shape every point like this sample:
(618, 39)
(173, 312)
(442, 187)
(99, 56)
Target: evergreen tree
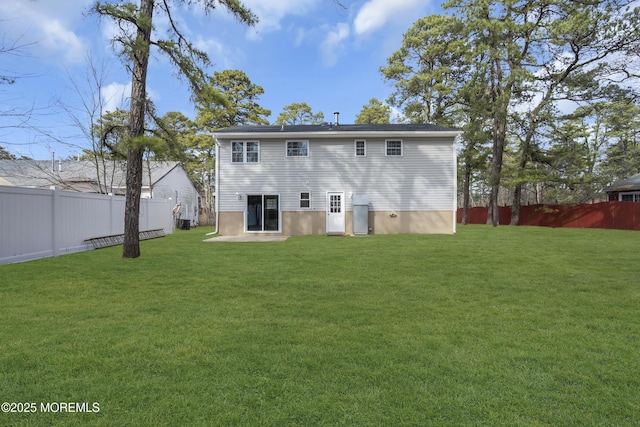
(135, 49)
(375, 112)
(299, 113)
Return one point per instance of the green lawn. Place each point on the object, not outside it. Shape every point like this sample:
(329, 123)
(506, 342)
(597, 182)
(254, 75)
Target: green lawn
(506, 326)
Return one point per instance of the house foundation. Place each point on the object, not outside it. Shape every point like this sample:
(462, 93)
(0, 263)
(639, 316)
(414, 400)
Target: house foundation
(380, 222)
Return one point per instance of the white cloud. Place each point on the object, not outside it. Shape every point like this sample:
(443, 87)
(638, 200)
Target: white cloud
(218, 53)
(109, 29)
(375, 14)
(396, 115)
(49, 26)
(272, 12)
(116, 95)
(300, 36)
(332, 43)
(57, 38)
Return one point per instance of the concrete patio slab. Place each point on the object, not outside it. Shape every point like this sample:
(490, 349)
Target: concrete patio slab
(256, 238)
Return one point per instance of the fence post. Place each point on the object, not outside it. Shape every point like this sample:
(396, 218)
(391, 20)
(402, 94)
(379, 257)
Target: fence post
(111, 227)
(55, 220)
(143, 214)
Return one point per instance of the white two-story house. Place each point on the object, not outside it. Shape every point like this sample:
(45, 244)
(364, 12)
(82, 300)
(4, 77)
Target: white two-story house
(308, 179)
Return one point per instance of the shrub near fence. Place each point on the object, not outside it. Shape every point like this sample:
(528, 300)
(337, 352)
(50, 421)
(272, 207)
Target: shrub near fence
(612, 215)
(38, 223)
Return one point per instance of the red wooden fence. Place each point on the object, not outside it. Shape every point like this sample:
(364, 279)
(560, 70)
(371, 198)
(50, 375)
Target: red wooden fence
(618, 215)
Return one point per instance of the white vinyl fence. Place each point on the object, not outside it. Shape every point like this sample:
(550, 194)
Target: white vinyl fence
(39, 223)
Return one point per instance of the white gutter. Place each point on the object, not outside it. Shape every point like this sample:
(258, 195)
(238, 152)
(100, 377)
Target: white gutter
(217, 192)
(336, 133)
(455, 185)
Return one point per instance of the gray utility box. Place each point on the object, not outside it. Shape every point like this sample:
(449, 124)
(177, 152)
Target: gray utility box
(360, 215)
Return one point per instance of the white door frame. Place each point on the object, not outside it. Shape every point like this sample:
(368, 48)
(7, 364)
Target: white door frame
(336, 218)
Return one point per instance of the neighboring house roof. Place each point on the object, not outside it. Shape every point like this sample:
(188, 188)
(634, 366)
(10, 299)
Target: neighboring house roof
(329, 130)
(629, 184)
(75, 175)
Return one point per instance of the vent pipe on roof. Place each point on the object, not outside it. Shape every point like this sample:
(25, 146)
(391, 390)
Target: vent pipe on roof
(335, 116)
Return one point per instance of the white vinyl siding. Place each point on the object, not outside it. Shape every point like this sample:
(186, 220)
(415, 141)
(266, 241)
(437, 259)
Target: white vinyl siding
(423, 179)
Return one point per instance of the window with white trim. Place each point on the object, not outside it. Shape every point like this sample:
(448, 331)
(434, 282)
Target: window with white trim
(297, 148)
(393, 147)
(252, 150)
(305, 199)
(361, 147)
(245, 152)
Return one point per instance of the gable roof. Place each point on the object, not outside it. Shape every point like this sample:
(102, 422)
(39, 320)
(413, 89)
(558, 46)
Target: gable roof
(75, 175)
(630, 184)
(329, 130)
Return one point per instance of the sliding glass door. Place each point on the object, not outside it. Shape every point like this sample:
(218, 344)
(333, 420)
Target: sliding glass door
(263, 212)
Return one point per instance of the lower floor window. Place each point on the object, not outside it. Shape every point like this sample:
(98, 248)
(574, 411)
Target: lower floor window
(263, 212)
(630, 197)
(305, 200)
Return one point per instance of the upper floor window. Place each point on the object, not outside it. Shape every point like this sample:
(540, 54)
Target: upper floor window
(394, 147)
(245, 152)
(361, 148)
(297, 148)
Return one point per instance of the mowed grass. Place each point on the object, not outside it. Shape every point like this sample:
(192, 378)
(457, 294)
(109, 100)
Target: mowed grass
(492, 326)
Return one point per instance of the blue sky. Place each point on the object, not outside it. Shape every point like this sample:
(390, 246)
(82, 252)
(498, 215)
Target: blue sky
(309, 51)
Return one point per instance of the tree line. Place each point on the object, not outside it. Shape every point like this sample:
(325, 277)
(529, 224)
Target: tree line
(546, 92)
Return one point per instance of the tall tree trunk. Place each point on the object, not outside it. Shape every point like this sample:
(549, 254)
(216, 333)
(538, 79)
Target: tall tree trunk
(525, 152)
(517, 193)
(132, 205)
(500, 128)
(466, 184)
(131, 247)
(500, 94)
(490, 212)
(515, 205)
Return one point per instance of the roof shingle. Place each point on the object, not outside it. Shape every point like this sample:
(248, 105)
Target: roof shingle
(630, 184)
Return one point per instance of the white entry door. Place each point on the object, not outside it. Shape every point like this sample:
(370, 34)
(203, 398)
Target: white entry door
(335, 213)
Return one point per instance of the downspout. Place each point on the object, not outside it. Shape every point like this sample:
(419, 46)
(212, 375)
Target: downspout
(217, 192)
(455, 183)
